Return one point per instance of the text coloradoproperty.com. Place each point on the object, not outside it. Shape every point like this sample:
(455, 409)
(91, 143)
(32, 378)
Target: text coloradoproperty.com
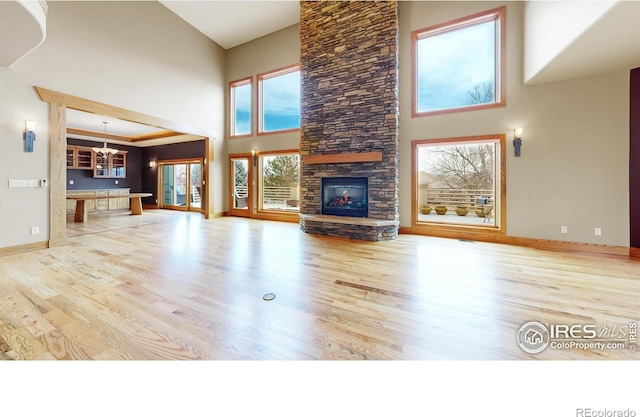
(588, 345)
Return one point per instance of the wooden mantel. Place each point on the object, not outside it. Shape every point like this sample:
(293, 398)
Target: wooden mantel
(343, 158)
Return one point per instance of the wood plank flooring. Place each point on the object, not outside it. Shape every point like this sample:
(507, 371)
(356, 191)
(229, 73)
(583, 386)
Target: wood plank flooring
(174, 286)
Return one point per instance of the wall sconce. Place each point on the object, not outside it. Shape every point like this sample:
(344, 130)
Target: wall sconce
(29, 135)
(153, 164)
(254, 153)
(517, 140)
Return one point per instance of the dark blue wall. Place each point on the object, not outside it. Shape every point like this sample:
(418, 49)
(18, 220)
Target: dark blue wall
(83, 178)
(196, 149)
(140, 177)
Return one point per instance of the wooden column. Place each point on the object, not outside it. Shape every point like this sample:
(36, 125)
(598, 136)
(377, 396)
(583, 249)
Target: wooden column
(207, 175)
(57, 174)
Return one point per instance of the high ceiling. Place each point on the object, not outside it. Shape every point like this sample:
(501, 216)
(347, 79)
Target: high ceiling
(228, 23)
(606, 45)
(232, 23)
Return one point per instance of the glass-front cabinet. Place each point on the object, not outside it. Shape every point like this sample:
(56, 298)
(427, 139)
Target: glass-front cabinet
(79, 157)
(103, 166)
(111, 166)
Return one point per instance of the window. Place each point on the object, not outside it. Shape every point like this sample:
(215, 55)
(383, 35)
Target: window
(459, 183)
(240, 107)
(279, 182)
(279, 100)
(459, 66)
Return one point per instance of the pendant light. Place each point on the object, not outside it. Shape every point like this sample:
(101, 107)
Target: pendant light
(104, 151)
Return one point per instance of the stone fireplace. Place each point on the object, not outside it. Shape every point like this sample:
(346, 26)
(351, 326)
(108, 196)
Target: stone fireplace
(349, 118)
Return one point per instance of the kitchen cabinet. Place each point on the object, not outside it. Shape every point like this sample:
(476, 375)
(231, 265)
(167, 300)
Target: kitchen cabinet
(111, 165)
(79, 157)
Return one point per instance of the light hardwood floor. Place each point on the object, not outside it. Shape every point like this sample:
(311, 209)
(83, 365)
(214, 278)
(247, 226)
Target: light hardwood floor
(172, 285)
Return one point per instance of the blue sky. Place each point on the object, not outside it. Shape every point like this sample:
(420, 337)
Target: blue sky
(281, 102)
(242, 100)
(451, 63)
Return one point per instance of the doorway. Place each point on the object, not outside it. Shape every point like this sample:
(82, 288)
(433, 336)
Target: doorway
(240, 173)
(180, 185)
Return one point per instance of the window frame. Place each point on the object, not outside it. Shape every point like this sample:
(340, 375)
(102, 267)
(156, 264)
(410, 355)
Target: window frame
(274, 214)
(461, 230)
(266, 76)
(500, 87)
(232, 109)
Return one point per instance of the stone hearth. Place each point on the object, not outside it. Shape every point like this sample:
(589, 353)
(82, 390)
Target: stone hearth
(349, 120)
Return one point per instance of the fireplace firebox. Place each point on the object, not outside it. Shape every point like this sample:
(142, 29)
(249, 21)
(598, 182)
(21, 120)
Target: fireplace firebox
(345, 196)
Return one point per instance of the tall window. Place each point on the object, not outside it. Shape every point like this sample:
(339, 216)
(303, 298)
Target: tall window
(279, 100)
(459, 65)
(279, 182)
(459, 183)
(240, 107)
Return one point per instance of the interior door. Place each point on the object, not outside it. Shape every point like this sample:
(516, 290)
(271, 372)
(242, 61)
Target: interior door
(240, 185)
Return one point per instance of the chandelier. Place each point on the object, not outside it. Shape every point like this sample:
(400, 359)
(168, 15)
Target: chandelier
(104, 151)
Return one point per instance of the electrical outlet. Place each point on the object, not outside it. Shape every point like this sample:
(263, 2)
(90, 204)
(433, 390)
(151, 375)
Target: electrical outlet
(116, 181)
(563, 229)
(70, 182)
(35, 230)
(598, 231)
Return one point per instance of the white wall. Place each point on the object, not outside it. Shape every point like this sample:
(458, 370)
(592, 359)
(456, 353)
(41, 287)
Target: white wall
(22, 208)
(574, 165)
(134, 55)
(551, 26)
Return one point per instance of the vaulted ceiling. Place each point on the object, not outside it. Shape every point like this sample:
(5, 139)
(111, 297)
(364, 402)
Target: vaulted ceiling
(562, 39)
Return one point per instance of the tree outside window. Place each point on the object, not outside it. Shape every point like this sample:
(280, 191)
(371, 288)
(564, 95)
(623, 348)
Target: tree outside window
(459, 182)
(280, 182)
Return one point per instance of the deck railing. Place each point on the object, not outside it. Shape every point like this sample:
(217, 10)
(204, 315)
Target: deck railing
(241, 191)
(287, 196)
(277, 194)
(452, 197)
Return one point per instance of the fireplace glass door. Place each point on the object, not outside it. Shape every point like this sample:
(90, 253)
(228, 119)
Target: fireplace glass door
(345, 196)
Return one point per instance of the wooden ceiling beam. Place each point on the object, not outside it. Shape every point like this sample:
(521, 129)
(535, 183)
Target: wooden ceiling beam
(99, 135)
(95, 107)
(155, 135)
